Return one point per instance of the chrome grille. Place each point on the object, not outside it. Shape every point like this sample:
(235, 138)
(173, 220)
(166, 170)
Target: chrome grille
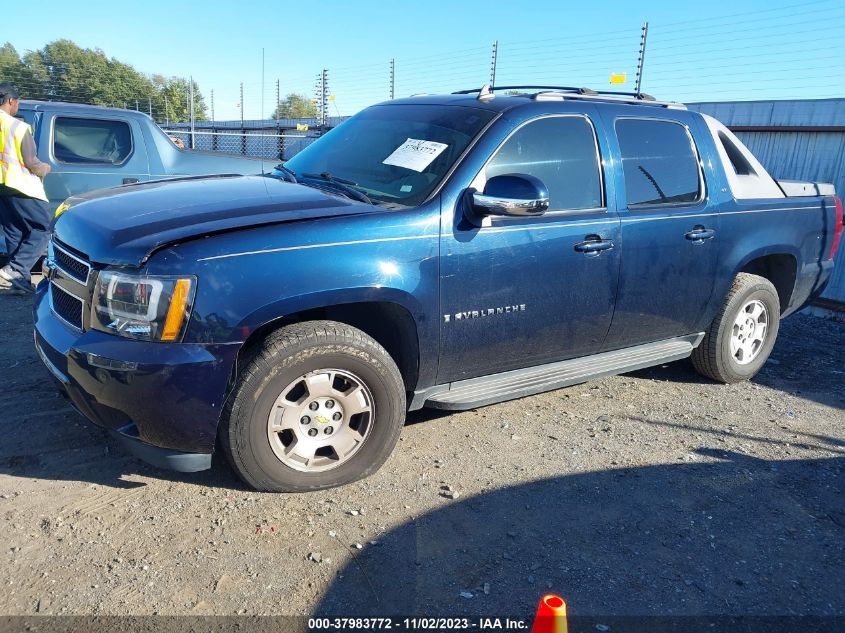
(70, 264)
(67, 306)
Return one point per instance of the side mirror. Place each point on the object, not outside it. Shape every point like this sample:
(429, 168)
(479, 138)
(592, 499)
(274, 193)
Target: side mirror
(512, 195)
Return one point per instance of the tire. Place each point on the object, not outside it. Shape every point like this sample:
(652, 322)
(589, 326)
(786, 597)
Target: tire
(724, 355)
(315, 370)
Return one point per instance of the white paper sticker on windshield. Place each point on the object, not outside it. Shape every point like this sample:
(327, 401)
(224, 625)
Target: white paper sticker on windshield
(415, 154)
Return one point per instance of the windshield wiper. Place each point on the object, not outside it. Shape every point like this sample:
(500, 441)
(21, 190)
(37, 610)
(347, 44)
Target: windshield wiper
(290, 175)
(346, 186)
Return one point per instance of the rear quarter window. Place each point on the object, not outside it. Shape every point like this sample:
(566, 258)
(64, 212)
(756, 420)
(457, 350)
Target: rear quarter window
(659, 161)
(91, 141)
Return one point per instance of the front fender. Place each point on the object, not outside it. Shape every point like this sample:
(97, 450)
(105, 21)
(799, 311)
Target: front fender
(287, 306)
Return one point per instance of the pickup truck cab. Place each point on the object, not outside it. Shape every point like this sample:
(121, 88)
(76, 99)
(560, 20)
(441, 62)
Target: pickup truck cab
(442, 251)
(92, 147)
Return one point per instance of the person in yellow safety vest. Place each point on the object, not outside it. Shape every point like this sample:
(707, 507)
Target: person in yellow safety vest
(24, 212)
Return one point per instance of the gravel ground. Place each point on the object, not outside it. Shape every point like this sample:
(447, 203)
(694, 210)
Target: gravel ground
(657, 492)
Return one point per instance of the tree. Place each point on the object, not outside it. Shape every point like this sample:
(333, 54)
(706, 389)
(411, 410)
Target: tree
(63, 71)
(13, 70)
(295, 106)
(177, 93)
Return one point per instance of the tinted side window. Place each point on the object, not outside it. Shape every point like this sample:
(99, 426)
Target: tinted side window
(560, 151)
(739, 163)
(659, 162)
(91, 141)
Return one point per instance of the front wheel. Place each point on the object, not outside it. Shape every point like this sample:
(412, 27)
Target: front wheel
(740, 338)
(317, 404)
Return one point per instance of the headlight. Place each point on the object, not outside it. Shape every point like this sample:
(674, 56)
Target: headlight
(142, 306)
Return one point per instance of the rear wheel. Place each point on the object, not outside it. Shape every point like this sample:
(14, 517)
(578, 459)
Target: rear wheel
(318, 404)
(740, 338)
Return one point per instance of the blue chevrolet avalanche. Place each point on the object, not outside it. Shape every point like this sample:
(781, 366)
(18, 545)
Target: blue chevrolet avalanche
(441, 251)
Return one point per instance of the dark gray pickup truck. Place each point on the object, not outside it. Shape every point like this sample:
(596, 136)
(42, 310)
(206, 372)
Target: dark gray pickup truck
(92, 147)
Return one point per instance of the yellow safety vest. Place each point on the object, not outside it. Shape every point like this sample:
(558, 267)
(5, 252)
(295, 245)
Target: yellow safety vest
(13, 171)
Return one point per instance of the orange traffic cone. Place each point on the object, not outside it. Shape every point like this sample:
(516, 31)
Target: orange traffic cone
(551, 616)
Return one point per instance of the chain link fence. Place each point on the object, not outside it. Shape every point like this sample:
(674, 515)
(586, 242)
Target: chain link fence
(253, 144)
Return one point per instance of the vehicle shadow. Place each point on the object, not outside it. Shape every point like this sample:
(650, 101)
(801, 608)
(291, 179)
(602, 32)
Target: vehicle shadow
(72, 449)
(80, 451)
(728, 535)
(808, 361)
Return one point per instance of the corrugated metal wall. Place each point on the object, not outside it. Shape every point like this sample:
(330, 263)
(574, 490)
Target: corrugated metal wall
(793, 153)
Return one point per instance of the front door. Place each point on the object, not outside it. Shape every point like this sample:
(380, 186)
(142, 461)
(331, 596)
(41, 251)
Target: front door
(670, 232)
(515, 292)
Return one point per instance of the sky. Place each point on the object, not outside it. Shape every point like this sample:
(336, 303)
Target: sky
(718, 50)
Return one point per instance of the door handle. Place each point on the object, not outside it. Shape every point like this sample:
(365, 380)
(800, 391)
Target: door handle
(129, 181)
(593, 245)
(699, 234)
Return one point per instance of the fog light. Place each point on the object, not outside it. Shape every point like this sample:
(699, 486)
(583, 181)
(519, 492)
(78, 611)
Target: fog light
(109, 363)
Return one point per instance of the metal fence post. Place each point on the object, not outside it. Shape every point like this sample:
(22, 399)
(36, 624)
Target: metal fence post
(191, 106)
(392, 76)
(243, 131)
(641, 60)
(493, 64)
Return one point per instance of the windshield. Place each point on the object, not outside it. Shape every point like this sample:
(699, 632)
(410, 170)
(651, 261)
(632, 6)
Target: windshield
(392, 153)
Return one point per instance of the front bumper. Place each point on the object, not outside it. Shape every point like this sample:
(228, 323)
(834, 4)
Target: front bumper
(162, 400)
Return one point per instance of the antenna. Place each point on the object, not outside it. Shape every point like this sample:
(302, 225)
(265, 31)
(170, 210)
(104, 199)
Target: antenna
(262, 83)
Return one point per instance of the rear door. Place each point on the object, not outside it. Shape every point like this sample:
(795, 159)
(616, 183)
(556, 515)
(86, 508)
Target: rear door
(92, 152)
(670, 229)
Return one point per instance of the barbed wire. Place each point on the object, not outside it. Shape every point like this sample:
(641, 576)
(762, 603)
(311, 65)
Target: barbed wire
(774, 51)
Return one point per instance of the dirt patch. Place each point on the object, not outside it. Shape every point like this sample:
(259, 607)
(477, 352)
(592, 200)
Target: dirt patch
(654, 492)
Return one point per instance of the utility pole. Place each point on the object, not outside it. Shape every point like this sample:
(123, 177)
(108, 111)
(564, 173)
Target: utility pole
(242, 105)
(493, 64)
(150, 103)
(136, 106)
(191, 106)
(166, 111)
(278, 99)
(641, 60)
(322, 98)
(392, 76)
(212, 105)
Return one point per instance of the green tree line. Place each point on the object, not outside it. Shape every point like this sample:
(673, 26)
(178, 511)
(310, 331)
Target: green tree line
(295, 106)
(63, 71)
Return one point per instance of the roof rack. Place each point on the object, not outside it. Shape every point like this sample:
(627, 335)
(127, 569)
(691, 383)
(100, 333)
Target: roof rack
(488, 87)
(573, 92)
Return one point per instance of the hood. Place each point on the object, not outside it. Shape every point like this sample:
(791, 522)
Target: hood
(127, 224)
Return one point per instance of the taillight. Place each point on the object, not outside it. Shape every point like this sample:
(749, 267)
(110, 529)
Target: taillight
(837, 232)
